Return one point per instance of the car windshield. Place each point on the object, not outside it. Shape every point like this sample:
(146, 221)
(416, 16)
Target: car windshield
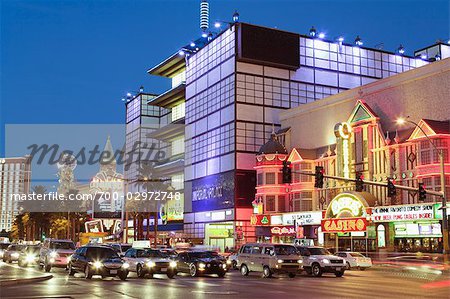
(15, 247)
(32, 249)
(318, 251)
(125, 247)
(285, 250)
(101, 253)
(201, 255)
(62, 245)
(4, 246)
(152, 253)
(356, 254)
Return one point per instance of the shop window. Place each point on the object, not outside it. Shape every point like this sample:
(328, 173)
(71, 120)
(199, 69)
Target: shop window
(381, 233)
(270, 178)
(270, 203)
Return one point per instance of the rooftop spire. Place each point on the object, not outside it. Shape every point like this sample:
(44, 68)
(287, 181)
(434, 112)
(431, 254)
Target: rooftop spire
(204, 15)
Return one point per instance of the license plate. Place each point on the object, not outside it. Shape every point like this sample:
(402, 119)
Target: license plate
(163, 269)
(113, 272)
(338, 269)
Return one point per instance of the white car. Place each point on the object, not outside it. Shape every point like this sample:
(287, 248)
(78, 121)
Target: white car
(55, 253)
(146, 261)
(355, 260)
(318, 260)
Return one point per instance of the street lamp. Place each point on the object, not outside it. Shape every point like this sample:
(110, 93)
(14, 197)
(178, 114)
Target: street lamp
(402, 121)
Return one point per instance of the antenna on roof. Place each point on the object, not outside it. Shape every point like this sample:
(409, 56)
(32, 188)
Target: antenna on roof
(204, 15)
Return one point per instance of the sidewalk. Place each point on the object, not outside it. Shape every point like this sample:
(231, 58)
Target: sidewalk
(11, 274)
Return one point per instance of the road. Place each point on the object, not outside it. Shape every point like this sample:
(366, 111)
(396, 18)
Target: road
(354, 284)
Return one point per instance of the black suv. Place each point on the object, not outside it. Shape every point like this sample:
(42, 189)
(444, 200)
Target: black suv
(98, 260)
(201, 262)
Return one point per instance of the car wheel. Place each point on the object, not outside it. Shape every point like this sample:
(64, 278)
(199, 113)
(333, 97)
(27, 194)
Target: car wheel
(47, 266)
(266, 272)
(234, 264)
(139, 271)
(339, 273)
(221, 274)
(71, 271)
(292, 275)
(244, 270)
(87, 273)
(123, 275)
(316, 270)
(347, 266)
(171, 274)
(193, 270)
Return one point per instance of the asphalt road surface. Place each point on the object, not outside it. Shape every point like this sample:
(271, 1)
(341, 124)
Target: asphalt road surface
(355, 284)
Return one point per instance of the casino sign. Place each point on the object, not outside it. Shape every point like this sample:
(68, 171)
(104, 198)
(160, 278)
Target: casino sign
(347, 212)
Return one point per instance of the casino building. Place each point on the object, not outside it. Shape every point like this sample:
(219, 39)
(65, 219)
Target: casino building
(229, 88)
(355, 131)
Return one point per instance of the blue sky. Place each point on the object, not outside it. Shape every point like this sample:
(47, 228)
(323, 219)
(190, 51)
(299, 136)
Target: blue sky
(72, 61)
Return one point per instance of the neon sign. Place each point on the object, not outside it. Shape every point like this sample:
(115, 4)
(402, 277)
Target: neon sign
(344, 131)
(344, 225)
(345, 204)
(282, 230)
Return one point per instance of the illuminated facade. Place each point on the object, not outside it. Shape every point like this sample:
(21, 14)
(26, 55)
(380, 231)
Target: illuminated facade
(346, 138)
(234, 94)
(15, 178)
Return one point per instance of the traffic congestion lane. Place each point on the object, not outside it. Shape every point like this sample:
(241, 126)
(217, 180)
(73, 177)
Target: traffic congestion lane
(354, 284)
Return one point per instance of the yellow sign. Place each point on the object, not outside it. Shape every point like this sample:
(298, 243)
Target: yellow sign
(346, 205)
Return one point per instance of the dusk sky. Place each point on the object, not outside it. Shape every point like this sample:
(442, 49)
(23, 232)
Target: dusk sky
(71, 62)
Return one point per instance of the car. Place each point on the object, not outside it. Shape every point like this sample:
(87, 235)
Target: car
(233, 257)
(55, 253)
(120, 248)
(29, 256)
(269, 258)
(198, 263)
(355, 260)
(170, 253)
(146, 261)
(12, 252)
(222, 258)
(3, 247)
(318, 260)
(98, 260)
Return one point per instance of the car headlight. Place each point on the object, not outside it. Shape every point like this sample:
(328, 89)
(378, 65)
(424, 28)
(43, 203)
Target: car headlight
(97, 265)
(125, 265)
(30, 258)
(151, 264)
(228, 262)
(172, 264)
(280, 261)
(326, 261)
(300, 261)
(52, 260)
(53, 254)
(224, 266)
(201, 265)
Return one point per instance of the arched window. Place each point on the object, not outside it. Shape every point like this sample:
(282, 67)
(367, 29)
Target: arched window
(381, 233)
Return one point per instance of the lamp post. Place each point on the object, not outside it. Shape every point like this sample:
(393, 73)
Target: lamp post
(440, 152)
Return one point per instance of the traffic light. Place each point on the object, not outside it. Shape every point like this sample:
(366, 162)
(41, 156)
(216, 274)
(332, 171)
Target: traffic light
(391, 192)
(422, 192)
(287, 174)
(319, 177)
(359, 182)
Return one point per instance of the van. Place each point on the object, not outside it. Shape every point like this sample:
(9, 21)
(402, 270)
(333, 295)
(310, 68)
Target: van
(269, 259)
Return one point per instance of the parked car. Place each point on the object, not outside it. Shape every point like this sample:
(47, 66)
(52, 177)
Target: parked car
(120, 248)
(201, 262)
(269, 259)
(146, 261)
(98, 260)
(3, 247)
(55, 253)
(29, 256)
(355, 260)
(318, 260)
(12, 252)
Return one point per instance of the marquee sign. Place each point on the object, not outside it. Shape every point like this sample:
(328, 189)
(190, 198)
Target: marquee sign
(302, 218)
(346, 205)
(282, 230)
(404, 212)
(342, 225)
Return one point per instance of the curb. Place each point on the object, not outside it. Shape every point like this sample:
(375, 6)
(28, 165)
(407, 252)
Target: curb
(12, 282)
